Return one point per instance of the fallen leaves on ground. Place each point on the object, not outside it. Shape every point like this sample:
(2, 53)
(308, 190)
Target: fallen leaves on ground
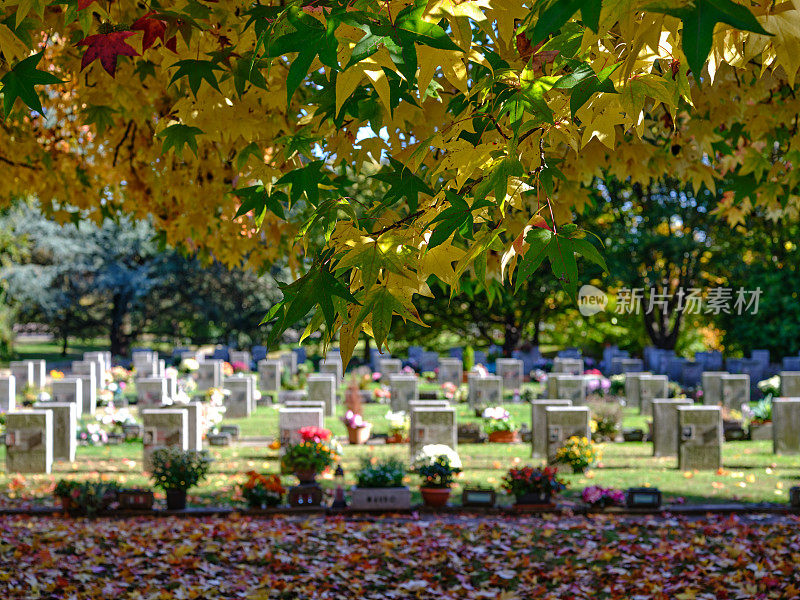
(465, 558)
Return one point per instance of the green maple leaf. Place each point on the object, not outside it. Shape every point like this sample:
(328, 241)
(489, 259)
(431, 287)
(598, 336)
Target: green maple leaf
(305, 181)
(177, 136)
(456, 217)
(20, 83)
(257, 199)
(584, 83)
(404, 184)
(101, 116)
(557, 12)
(197, 71)
(699, 19)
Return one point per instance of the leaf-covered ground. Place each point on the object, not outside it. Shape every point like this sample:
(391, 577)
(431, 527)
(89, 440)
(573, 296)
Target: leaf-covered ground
(635, 559)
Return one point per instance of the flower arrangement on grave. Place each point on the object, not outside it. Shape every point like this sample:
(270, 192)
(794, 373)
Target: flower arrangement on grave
(598, 385)
(438, 473)
(429, 376)
(104, 397)
(216, 395)
(239, 367)
(175, 471)
(599, 497)
(54, 374)
(227, 369)
(358, 429)
(449, 389)
(86, 498)
(262, 491)
(189, 365)
(309, 457)
(91, 434)
(531, 485)
(399, 427)
(771, 388)
(498, 425)
(580, 453)
(386, 473)
(121, 375)
(381, 394)
(617, 385)
(480, 370)
(759, 414)
(187, 385)
(115, 418)
(606, 420)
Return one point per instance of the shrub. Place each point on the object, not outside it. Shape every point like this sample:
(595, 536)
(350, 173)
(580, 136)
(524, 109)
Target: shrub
(176, 469)
(387, 473)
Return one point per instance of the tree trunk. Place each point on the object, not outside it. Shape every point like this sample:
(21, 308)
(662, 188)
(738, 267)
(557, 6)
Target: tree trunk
(64, 344)
(511, 338)
(120, 340)
(366, 349)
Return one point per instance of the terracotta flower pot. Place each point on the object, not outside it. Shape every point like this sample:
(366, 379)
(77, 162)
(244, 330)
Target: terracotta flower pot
(435, 497)
(396, 439)
(503, 437)
(359, 435)
(176, 499)
(306, 475)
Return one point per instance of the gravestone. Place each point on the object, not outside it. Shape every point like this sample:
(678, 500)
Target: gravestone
(241, 356)
(195, 426)
(429, 361)
(735, 390)
(68, 389)
(151, 391)
(568, 366)
(564, 422)
(8, 394)
(692, 374)
(239, 402)
(432, 425)
(87, 368)
(100, 367)
(285, 396)
(790, 384)
(675, 368)
(29, 442)
(403, 389)
(389, 366)
(305, 404)
(22, 371)
(632, 365)
(488, 391)
(209, 375)
(480, 358)
(632, 388)
(65, 425)
(413, 404)
(163, 427)
(712, 387)
(322, 387)
(292, 420)
(539, 424)
(711, 361)
(259, 353)
(570, 387)
(510, 371)
(451, 370)
(791, 363)
(269, 375)
(665, 425)
(289, 362)
(39, 372)
(332, 365)
(650, 388)
(89, 395)
(699, 437)
(786, 426)
(145, 363)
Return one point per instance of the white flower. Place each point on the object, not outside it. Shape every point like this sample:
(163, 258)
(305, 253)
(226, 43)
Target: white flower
(189, 364)
(428, 454)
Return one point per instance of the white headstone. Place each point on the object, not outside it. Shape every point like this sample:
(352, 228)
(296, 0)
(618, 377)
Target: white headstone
(269, 375)
(241, 356)
(289, 361)
(89, 393)
(665, 425)
(240, 402)
(389, 366)
(632, 388)
(22, 371)
(163, 427)
(209, 375)
(432, 425)
(451, 370)
(29, 442)
(650, 388)
(68, 389)
(539, 424)
(786, 425)
(39, 372)
(790, 384)
(332, 365)
(8, 394)
(712, 387)
(488, 391)
(570, 387)
(735, 390)
(322, 387)
(510, 370)
(564, 422)
(292, 420)
(194, 421)
(571, 366)
(151, 391)
(404, 388)
(65, 425)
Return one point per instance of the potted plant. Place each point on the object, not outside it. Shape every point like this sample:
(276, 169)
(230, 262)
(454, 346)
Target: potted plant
(399, 425)
(358, 430)
(176, 470)
(262, 491)
(771, 388)
(533, 486)
(760, 426)
(379, 486)
(499, 426)
(311, 456)
(580, 453)
(597, 497)
(63, 491)
(88, 497)
(438, 465)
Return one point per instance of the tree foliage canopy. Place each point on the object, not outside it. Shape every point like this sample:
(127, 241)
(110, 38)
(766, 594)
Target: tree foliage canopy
(238, 126)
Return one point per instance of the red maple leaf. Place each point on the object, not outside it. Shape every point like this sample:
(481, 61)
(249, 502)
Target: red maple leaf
(154, 29)
(107, 47)
(85, 3)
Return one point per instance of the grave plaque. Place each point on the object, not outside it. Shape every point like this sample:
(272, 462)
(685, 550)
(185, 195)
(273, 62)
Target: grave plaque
(22, 371)
(539, 424)
(414, 404)
(451, 370)
(321, 387)
(151, 391)
(8, 394)
(163, 427)
(269, 375)
(786, 425)
(790, 384)
(239, 403)
(68, 389)
(699, 437)
(735, 390)
(389, 366)
(291, 420)
(89, 394)
(403, 389)
(712, 387)
(488, 391)
(632, 388)
(564, 422)
(510, 371)
(29, 442)
(432, 425)
(571, 387)
(332, 365)
(65, 425)
(665, 425)
(650, 388)
(209, 375)
(569, 366)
